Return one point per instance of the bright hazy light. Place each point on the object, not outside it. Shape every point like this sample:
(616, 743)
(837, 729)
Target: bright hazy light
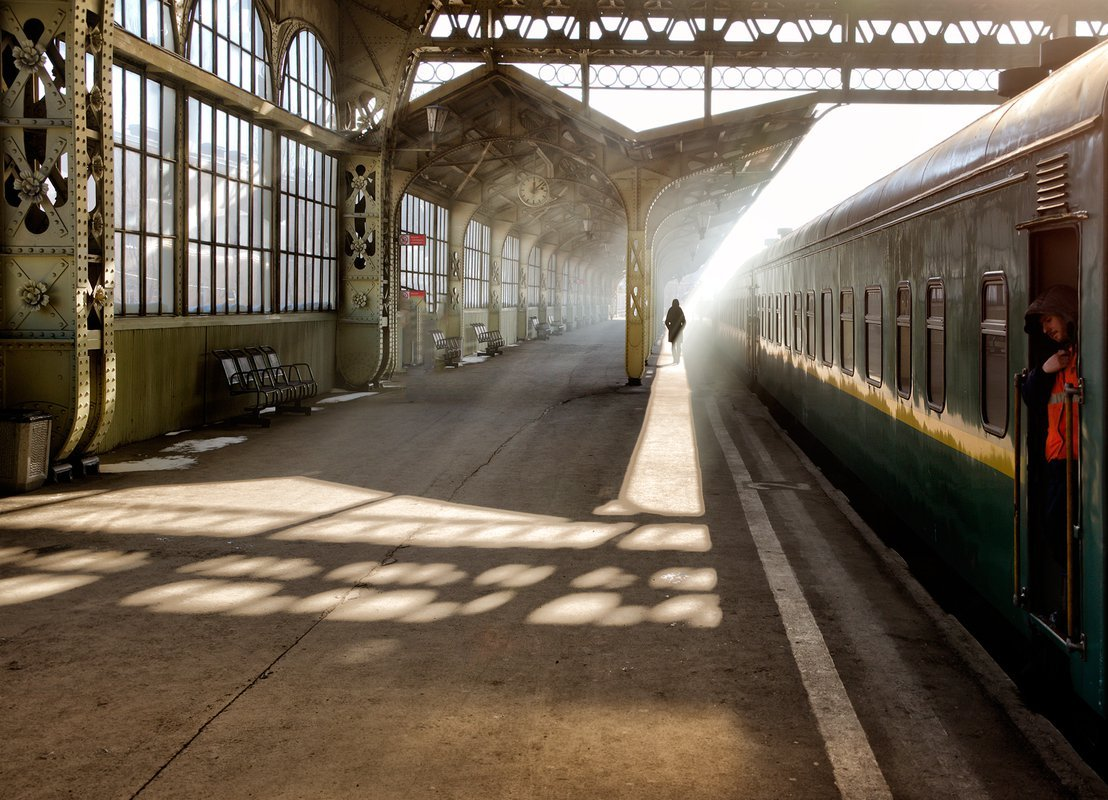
(847, 150)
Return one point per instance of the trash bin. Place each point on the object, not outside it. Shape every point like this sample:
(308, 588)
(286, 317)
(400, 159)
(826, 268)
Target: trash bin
(24, 450)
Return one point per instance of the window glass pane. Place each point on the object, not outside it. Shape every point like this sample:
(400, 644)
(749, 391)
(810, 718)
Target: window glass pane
(936, 346)
(904, 341)
(230, 205)
(798, 322)
(142, 202)
(846, 330)
(994, 355)
(810, 324)
(874, 334)
(306, 86)
(237, 41)
(827, 313)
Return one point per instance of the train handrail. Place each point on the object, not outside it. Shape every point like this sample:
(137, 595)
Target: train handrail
(1017, 499)
(1072, 395)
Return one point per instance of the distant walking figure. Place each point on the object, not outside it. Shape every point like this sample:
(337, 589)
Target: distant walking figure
(675, 322)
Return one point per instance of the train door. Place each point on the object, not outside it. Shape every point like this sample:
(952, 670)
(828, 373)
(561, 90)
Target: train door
(1050, 509)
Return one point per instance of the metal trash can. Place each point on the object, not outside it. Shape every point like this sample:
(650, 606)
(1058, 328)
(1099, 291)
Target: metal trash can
(24, 450)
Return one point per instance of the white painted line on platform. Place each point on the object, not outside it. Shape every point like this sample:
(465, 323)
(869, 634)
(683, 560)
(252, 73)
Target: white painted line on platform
(867, 630)
(857, 774)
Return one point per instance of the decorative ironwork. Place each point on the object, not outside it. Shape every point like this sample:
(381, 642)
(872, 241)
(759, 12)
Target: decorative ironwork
(792, 46)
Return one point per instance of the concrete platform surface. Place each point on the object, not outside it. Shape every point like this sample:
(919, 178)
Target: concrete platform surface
(521, 578)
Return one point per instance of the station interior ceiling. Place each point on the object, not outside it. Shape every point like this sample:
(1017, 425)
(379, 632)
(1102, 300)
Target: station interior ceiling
(499, 126)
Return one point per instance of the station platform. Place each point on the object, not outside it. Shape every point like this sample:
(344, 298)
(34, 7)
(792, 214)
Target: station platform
(520, 578)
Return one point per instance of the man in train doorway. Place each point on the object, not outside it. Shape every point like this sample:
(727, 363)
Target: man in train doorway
(675, 323)
(1054, 313)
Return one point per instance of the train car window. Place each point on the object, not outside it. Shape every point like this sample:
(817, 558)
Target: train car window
(810, 324)
(846, 331)
(777, 318)
(936, 345)
(780, 318)
(798, 322)
(904, 339)
(827, 323)
(785, 319)
(994, 353)
(874, 335)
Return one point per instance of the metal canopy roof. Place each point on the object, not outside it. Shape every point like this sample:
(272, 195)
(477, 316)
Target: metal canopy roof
(685, 185)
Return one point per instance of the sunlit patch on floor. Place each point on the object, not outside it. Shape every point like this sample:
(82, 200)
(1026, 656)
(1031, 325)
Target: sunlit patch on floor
(606, 608)
(204, 445)
(344, 398)
(155, 464)
(604, 578)
(201, 596)
(237, 566)
(26, 588)
(674, 536)
(685, 579)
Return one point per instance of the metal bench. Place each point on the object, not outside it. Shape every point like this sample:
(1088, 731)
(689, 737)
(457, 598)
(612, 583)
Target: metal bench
(448, 348)
(297, 378)
(492, 340)
(542, 329)
(269, 386)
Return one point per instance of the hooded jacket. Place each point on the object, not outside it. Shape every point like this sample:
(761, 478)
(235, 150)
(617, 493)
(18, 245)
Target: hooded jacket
(1062, 302)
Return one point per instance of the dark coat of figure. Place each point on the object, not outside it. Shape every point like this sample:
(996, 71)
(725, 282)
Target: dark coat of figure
(675, 323)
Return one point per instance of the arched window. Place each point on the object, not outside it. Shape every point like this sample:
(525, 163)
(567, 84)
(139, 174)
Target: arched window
(307, 89)
(228, 40)
(152, 21)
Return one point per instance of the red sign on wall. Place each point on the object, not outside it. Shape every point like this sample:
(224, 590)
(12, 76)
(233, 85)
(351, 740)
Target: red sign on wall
(413, 239)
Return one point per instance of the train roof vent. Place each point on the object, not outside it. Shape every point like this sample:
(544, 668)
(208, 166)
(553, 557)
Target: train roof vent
(1053, 184)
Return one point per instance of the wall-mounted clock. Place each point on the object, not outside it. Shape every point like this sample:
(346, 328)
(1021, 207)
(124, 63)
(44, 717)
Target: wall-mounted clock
(534, 190)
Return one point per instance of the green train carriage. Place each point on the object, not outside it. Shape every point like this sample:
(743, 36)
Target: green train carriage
(892, 329)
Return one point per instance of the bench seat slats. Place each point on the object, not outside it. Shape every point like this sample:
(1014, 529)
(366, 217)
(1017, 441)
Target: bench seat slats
(492, 340)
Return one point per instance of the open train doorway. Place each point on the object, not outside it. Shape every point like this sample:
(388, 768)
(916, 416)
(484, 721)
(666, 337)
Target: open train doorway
(1051, 396)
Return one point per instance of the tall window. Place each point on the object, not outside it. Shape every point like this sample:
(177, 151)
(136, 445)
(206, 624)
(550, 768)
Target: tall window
(798, 323)
(936, 345)
(145, 142)
(424, 268)
(846, 331)
(534, 277)
(874, 335)
(307, 90)
(227, 39)
(785, 324)
(476, 265)
(994, 353)
(230, 189)
(810, 324)
(309, 263)
(509, 272)
(777, 299)
(904, 340)
(151, 20)
(827, 320)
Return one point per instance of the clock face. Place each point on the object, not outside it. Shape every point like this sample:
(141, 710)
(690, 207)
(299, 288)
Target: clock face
(534, 190)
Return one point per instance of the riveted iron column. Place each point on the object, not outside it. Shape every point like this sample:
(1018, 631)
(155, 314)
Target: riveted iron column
(361, 350)
(638, 306)
(57, 261)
